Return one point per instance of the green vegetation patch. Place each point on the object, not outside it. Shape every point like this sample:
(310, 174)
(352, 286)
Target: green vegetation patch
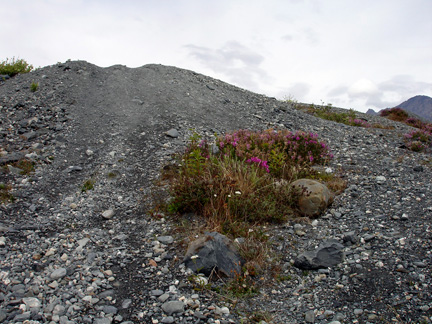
(5, 193)
(14, 66)
(34, 86)
(245, 181)
(325, 112)
(88, 185)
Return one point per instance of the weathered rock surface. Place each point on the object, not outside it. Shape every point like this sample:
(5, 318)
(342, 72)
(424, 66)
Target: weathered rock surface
(327, 255)
(213, 252)
(315, 196)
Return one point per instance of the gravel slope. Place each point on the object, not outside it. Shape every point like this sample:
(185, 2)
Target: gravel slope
(69, 256)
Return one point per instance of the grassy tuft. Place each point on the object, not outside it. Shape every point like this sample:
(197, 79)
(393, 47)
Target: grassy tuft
(326, 112)
(88, 185)
(25, 165)
(5, 193)
(34, 86)
(14, 66)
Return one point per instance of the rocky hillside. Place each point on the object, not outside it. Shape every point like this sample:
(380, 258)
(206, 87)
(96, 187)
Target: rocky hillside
(78, 246)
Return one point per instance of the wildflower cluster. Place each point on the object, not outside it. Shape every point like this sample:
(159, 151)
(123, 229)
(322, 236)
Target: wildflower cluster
(275, 150)
(239, 182)
(417, 140)
(358, 123)
(259, 162)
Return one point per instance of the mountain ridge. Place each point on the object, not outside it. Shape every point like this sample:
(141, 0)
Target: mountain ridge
(420, 106)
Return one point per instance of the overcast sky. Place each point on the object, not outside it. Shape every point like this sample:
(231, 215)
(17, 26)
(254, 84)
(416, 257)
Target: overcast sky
(352, 53)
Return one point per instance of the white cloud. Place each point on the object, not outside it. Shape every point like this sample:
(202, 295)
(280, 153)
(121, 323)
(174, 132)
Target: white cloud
(362, 88)
(353, 54)
(234, 61)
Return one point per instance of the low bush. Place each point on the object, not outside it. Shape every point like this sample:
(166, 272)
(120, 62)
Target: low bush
(417, 140)
(14, 66)
(325, 112)
(396, 114)
(243, 181)
(34, 86)
(5, 193)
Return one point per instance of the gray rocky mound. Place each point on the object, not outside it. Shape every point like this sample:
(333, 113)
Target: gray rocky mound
(77, 246)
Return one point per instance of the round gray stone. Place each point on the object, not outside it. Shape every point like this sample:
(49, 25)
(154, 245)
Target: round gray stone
(171, 307)
(58, 273)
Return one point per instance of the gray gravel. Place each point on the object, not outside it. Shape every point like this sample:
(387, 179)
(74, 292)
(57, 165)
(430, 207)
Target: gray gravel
(70, 255)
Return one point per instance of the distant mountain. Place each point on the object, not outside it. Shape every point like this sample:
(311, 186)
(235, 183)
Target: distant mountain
(371, 112)
(419, 105)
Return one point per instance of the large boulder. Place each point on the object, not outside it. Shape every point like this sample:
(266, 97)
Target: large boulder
(213, 252)
(315, 196)
(328, 254)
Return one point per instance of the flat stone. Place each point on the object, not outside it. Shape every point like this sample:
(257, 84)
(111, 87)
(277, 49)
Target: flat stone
(381, 179)
(58, 273)
(126, 303)
(328, 254)
(3, 315)
(165, 239)
(163, 297)
(172, 133)
(102, 321)
(171, 307)
(108, 214)
(168, 319)
(109, 309)
(156, 292)
(11, 157)
(310, 316)
(14, 170)
(22, 317)
(32, 302)
(83, 242)
(29, 135)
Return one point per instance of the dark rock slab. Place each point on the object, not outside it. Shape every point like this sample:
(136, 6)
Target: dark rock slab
(213, 252)
(328, 254)
(11, 158)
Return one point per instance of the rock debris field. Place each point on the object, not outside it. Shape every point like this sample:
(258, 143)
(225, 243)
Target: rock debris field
(69, 255)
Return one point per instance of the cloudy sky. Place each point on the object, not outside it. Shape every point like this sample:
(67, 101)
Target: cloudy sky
(351, 53)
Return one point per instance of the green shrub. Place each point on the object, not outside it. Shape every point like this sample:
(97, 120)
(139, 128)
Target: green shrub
(5, 193)
(88, 185)
(34, 86)
(14, 66)
(325, 112)
(246, 180)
